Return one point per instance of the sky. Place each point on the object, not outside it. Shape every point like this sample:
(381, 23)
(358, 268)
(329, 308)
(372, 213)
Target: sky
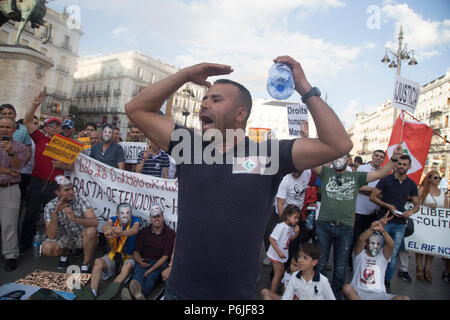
(339, 43)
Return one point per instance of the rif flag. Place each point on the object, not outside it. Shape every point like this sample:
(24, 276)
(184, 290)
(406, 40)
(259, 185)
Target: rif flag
(415, 140)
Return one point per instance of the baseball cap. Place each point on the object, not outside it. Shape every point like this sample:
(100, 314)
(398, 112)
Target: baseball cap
(155, 210)
(68, 124)
(53, 119)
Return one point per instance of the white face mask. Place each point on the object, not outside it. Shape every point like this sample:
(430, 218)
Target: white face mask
(124, 215)
(340, 163)
(107, 135)
(375, 242)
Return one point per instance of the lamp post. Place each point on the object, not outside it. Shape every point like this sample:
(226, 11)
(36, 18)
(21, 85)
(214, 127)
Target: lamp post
(396, 62)
(402, 54)
(190, 94)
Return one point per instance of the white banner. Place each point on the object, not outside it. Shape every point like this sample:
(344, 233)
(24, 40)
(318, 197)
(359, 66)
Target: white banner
(132, 149)
(105, 187)
(296, 113)
(406, 94)
(431, 232)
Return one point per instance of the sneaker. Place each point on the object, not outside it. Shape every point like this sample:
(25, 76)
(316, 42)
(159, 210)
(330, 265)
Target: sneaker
(446, 277)
(10, 265)
(125, 294)
(266, 261)
(64, 261)
(136, 290)
(404, 276)
(388, 286)
(85, 268)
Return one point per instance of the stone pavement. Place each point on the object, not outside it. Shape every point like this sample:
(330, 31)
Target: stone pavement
(417, 290)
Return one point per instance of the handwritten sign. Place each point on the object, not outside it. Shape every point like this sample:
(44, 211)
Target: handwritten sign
(86, 141)
(132, 149)
(406, 94)
(63, 149)
(296, 113)
(105, 187)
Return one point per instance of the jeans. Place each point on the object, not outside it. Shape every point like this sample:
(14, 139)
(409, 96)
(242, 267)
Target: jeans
(341, 236)
(148, 282)
(397, 232)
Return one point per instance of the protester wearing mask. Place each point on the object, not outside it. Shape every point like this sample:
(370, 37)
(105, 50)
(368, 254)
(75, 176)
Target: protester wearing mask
(107, 151)
(337, 212)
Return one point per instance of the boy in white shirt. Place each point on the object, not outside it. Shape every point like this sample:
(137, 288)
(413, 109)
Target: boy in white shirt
(306, 283)
(370, 260)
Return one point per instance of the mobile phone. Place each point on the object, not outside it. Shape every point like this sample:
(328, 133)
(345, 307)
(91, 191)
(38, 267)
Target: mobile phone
(5, 138)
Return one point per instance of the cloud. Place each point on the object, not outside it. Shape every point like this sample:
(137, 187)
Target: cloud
(348, 115)
(427, 37)
(119, 30)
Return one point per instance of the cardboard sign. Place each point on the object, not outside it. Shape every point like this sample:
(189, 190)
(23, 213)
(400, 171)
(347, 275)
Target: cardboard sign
(297, 114)
(86, 141)
(131, 150)
(258, 134)
(63, 149)
(406, 94)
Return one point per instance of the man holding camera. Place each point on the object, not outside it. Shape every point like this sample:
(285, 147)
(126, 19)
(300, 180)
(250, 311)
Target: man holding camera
(12, 159)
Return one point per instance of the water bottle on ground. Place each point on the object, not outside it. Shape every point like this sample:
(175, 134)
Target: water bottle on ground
(36, 244)
(310, 220)
(280, 84)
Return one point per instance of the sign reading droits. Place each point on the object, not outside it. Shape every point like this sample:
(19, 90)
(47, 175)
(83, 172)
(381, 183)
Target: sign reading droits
(406, 94)
(63, 149)
(297, 116)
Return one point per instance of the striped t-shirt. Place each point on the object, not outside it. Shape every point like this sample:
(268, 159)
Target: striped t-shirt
(154, 164)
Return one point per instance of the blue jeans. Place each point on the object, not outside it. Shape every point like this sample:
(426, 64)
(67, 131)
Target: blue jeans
(148, 282)
(397, 233)
(341, 236)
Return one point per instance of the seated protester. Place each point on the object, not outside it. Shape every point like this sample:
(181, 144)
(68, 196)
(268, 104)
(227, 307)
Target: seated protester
(121, 232)
(154, 246)
(370, 261)
(70, 223)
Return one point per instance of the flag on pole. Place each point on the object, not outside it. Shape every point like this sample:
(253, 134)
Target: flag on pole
(415, 140)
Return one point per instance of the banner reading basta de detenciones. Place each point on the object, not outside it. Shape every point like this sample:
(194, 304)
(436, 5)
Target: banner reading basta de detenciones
(431, 232)
(105, 187)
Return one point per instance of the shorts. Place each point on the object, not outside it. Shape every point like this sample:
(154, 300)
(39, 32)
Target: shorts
(110, 266)
(69, 241)
(374, 295)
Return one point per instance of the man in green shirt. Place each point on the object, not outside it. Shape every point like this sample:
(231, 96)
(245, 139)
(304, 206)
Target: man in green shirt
(337, 210)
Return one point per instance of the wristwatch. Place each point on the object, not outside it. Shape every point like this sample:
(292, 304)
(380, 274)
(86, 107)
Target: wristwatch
(313, 92)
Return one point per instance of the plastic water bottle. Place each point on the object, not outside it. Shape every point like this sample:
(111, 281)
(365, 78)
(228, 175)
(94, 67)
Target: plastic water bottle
(310, 220)
(280, 84)
(36, 244)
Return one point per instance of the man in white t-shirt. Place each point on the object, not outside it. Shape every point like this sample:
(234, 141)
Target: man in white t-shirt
(366, 209)
(370, 261)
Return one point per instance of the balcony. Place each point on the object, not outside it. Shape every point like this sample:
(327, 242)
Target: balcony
(99, 93)
(84, 94)
(107, 92)
(62, 69)
(66, 46)
(117, 92)
(78, 94)
(91, 94)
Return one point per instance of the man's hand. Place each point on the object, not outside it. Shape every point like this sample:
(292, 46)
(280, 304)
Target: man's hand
(166, 273)
(69, 213)
(200, 72)
(59, 165)
(7, 146)
(387, 217)
(144, 264)
(304, 129)
(398, 152)
(117, 231)
(39, 99)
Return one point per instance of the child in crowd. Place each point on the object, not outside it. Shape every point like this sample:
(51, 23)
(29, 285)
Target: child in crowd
(266, 294)
(283, 233)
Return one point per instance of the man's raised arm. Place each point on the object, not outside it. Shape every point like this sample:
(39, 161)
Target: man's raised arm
(31, 111)
(332, 142)
(143, 109)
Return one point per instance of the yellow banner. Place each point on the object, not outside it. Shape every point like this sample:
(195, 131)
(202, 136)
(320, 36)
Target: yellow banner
(258, 134)
(63, 149)
(86, 141)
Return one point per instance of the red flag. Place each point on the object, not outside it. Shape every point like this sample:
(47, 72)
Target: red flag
(415, 139)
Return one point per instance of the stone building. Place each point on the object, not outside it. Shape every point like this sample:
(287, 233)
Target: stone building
(62, 49)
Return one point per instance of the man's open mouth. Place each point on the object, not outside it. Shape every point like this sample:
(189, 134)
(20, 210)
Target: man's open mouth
(207, 122)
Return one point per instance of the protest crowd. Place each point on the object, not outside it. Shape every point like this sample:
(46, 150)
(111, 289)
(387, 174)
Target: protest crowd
(322, 213)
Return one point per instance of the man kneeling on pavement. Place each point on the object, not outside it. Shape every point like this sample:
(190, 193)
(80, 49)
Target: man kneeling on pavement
(70, 223)
(120, 231)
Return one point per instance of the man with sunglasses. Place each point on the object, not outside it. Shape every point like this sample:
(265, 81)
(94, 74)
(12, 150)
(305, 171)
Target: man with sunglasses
(42, 185)
(337, 212)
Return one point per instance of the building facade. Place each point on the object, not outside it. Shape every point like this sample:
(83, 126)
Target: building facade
(373, 131)
(105, 83)
(62, 49)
